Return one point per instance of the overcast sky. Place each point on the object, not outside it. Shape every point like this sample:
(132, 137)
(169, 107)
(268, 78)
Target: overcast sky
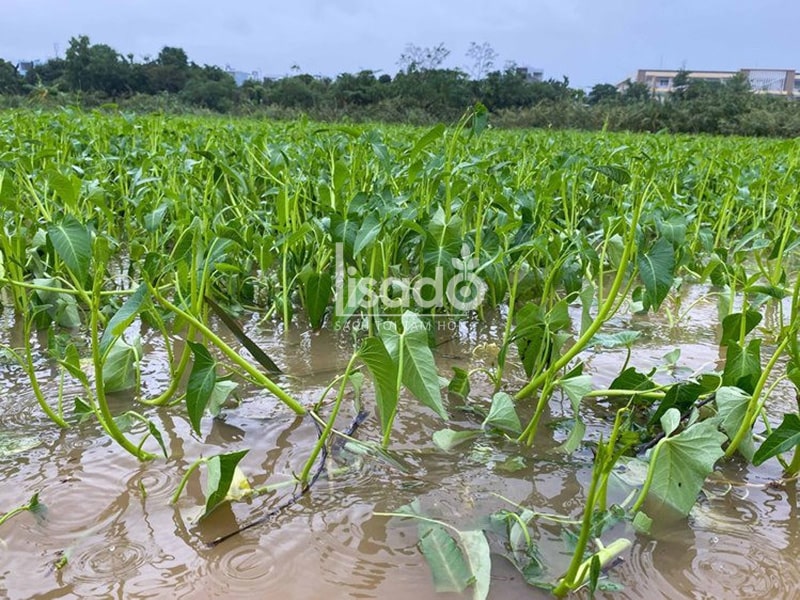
(590, 41)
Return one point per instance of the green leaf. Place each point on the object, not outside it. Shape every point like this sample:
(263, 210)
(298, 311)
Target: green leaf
(742, 365)
(671, 357)
(64, 187)
(156, 433)
(683, 463)
(221, 470)
(782, 439)
(384, 375)
(219, 395)
(201, 383)
(448, 567)
(502, 414)
(122, 318)
(674, 230)
(153, 220)
(367, 233)
(63, 307)
(72, 363)
(576, 389)
(419, 368)
(615, 173)
(121, 365)
(621, 339)
(447, 439)
(732, 405)
(426, 140)
(732, 326)
(681, 396)
(642, 523)
(459, 384)
(631, 379)
(126, 421)
(575, 437)
(317, 293)
(656, 269)
(479, 559)
(670, 421)
(73, 244)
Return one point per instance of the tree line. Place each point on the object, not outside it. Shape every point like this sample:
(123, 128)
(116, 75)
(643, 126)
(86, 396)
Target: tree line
(422, 91)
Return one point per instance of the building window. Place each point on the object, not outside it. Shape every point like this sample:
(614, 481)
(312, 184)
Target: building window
(663, 82)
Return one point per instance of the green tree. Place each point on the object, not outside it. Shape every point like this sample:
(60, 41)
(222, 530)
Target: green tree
(169, 72)
(603, 93)
(96, 67)
(10, 81)
(212, 88)
(48, 74)
(359, 89)
(636, 92)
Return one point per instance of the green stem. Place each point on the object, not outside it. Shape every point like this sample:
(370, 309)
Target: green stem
(16, 511)
(229, 352)
(754, 404)
(399, 385)
(185, 479)
(27, 365)
(602, 314)
(329, 425)
(104, 412)
(177, 374)
(568, 582)
(649, 480)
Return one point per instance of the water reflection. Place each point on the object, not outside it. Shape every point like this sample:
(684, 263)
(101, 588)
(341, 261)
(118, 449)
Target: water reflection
(110, 517)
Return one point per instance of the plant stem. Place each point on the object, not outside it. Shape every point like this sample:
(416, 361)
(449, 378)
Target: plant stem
(103, 411)
(754, 404)
(257, 375)
(329, 425)
(602, 314)
(185, 479)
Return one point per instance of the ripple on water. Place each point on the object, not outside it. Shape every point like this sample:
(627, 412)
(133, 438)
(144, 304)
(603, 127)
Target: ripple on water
(239, 570)
(119, 558)
(725, 552)
(155, 482)
(736, 555)
(21, 411)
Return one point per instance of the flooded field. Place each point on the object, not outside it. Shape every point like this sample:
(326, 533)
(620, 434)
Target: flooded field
(569, 364)
(109, 530)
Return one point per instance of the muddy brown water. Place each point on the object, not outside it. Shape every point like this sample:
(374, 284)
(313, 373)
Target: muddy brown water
(110, 516)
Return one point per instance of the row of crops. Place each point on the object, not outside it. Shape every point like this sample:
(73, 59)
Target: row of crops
(114, 223)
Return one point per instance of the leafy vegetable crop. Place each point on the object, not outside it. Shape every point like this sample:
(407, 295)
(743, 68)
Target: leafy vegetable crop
(113, 223)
